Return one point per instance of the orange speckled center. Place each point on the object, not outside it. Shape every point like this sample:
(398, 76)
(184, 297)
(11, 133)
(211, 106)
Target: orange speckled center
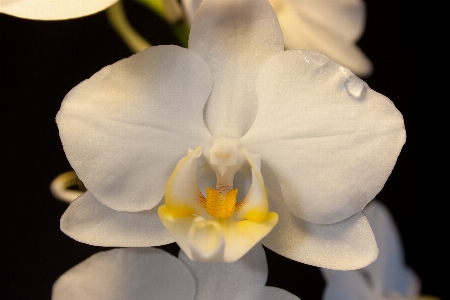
(218, 205)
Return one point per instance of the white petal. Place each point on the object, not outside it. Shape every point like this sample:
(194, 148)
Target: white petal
(350, 285)
(331, 141)
(347, 245)
(389, 272)
(125, 128)
(132, 273)
(346, 18)
(224, 281)
(183, 195)
(326, 42)
(53, 9)
(88, 221)
(235, 37)
(266, 293)
(255, 205)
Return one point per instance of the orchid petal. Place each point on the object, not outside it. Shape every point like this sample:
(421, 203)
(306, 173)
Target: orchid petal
(224, 281)
(52, 9)
(347, 245)
(389, 272)
(323, 41)
(235, 38)
(331, 146)
(255, 204)
(145, 110)
(266, 293)
(346, 18)
(89, 221)
(131, 273)
(243, 235)
(183, 196)
(348, 286)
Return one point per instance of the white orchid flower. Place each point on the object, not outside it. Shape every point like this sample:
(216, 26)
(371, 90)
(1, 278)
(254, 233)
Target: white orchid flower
(53, 9)
(387, 278)
(150, 273)
(295, 132)
(330, 27)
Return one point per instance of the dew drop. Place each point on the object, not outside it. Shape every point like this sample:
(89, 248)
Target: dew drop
(355, 86)
(316, 58)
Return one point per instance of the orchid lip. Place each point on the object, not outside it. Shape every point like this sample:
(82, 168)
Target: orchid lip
(216, 227)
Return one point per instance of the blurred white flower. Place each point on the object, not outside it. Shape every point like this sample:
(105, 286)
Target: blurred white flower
(387, 278)
(330, 27)
(301, 135)
(150, 273)
(53, 9)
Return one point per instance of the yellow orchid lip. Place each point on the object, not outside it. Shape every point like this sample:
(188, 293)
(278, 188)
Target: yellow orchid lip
(215, 227)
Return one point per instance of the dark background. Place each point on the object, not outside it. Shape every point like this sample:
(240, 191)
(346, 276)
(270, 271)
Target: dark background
(42, 61)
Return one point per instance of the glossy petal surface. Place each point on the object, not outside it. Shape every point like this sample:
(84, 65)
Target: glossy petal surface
(224, 281)
(235, 37)
(132, 273)
(89, 221)
(347, 245)
(331, 141)
(125, 128)
(53, 9)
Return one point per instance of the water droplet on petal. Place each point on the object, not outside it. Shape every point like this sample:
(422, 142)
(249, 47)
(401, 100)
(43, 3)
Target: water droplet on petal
(316, 58)
(355, 86)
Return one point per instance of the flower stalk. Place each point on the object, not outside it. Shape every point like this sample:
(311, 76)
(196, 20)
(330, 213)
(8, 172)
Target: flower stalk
(118, 20)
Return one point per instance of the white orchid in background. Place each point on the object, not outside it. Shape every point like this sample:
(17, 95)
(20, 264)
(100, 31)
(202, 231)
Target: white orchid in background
(330, 27)
(150, 273)
(48, 10)
(293, 131)
(387, 278)
(53, 9)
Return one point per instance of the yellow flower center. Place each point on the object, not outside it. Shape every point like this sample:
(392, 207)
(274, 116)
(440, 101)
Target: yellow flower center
(213, 227)
(219, 205)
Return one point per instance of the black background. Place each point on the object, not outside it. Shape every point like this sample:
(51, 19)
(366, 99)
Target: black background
(41, 61)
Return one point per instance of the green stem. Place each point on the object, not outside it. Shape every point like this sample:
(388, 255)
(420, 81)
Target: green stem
(171, 12)
(154, 5)
(181, 31)
(118, 20)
